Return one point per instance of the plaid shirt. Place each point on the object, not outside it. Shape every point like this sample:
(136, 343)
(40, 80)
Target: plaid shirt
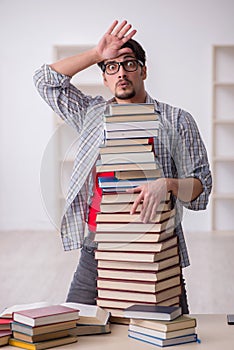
(179, 150)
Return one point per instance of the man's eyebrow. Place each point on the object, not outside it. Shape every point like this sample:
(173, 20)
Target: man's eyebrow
(124, 57)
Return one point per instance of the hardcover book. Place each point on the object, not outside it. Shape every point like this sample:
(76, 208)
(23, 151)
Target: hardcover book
(116, 307)
(127, 217)
(140, 266)
(163, 342)
(140, 296)
(38, 330)
(90, 314)
(138, 286)
(46, 315)
(136, 256)
(126, 207)
(154, 312)
(43, 344)
(133, 237)
(162, 335)
(130, 117)
(4, 337)
(129, 108)
(138, 247)
(135, 227)
(139, 275)
(181, 322)
(132, 125)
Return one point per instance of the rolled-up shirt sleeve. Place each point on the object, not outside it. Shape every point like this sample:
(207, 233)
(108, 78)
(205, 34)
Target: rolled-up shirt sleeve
(66, 100)
(192, 160)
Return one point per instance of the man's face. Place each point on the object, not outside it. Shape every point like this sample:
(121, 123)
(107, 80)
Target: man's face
(126, 86)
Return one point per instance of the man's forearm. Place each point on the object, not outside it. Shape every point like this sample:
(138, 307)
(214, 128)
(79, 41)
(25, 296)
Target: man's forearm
(75, 64)
(184, 189)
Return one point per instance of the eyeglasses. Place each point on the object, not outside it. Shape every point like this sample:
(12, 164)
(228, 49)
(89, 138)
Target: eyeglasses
(113, 67)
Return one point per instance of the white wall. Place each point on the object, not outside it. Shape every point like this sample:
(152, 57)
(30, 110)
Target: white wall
(177, 35)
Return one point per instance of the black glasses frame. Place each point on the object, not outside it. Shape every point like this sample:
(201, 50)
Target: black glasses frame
(123, 63)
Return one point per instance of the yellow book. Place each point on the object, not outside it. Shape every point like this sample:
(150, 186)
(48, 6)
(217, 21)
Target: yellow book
(43, 344)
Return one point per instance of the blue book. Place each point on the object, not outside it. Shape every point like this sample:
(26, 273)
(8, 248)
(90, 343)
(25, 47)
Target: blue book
(153, 312)
(113, 182)
(163, 342)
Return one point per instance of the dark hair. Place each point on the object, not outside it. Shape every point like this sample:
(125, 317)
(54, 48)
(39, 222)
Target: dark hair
(136, 48)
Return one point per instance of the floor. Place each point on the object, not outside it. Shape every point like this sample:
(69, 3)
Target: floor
(34, 267)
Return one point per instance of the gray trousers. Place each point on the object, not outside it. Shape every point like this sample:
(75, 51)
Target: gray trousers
(83, 287)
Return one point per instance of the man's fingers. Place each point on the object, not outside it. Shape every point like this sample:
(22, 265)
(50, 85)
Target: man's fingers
(117, 31)
(136, 203)
(114, 24)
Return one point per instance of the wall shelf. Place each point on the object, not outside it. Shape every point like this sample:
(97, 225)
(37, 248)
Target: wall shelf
(223, 140)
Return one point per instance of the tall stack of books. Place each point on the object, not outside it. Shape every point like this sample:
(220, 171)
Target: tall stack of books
(137, 262)
(44, 327)
(160, 325)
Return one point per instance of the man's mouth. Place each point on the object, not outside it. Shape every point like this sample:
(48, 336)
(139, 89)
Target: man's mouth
(123, 83)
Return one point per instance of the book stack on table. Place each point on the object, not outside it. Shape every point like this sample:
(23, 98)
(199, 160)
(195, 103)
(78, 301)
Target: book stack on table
(5, 330)
(160, 325)
(137, 262)
(44, 327)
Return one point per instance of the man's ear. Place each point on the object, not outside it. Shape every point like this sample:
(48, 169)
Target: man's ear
(144, 72)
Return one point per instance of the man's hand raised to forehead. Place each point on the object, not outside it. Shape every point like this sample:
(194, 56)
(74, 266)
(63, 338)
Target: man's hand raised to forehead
(110, 44)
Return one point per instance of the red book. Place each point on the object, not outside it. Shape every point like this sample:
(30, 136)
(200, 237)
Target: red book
(46, 315)
(5, 324)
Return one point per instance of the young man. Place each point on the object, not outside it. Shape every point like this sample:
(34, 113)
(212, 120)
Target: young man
(179, 147)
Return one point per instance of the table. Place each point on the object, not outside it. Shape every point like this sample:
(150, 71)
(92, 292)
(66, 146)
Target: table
(212, 330)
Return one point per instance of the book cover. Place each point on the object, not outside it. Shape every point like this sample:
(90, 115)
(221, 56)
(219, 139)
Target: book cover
(162, 335)
(181, 322)
(126, 158)
(132, 125)
(139, 275)
(44, 344)
(155, 267)
(126, 207)
(130, 117)
(113, 182)
(126, 166)
(5, 337)
(129, 108)
(127, 217)
(155, 312)
(136, 256)
(126, 149)
(138, 247)
(138, 286)
(90, 314)
(139, 296)
(133, 237)
(136, 227)
(138, 174)
(124, 197)
(131, 134)
(5, 323)
(125, 142)
(41, 337)
(45, 315)
(163, 342)
(49, 328)
(120, 305)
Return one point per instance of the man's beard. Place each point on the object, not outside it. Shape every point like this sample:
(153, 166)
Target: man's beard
(125, 95)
